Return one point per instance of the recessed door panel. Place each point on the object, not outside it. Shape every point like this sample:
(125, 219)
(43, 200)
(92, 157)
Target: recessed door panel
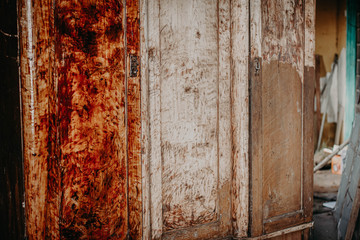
(282, 72)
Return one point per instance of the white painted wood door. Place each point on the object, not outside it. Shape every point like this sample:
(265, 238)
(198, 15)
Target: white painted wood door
(188, 165)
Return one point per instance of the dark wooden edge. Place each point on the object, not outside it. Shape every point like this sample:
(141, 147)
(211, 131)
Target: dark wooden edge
(283, 222)
(255, 147)
(308, 145)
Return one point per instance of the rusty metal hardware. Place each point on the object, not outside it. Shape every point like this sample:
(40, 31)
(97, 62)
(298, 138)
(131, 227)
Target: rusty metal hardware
(257, 66)
(134, 63)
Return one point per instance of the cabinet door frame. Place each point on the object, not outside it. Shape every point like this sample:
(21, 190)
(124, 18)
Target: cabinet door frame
(258, 224)
(234, 43)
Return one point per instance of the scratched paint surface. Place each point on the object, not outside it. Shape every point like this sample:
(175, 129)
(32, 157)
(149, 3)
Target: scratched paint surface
(283, 32)
(189, 95)
(75, 112)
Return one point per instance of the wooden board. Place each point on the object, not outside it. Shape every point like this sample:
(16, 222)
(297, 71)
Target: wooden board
(187, 112)
(282, 89)
(348, 199)
(12, 224)
(81, 111)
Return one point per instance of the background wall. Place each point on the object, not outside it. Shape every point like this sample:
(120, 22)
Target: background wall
(330, 27)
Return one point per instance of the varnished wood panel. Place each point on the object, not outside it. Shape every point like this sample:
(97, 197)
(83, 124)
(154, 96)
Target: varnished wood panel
(35, 80)
(81, 111)
(91, 81)
(134, 120)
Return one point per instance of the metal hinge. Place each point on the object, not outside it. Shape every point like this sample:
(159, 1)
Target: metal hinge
(257, 66)
(134, 64)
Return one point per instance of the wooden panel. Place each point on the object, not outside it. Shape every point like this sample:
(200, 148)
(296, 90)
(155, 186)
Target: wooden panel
(281, 139)
(189, 151)
(81, 110)
(35, 78)
(189, 112)
(348, 199)
(281, 122)
(240, 116)
(91, 75)
(133, 120)
(290, 236)
(308, 109)
(11, 176)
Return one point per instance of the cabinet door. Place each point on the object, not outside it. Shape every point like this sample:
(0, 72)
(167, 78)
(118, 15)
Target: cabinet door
(282, 73)
(188, 108)
(81, 115)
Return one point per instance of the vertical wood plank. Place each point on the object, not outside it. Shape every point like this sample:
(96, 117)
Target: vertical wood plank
(240, 115)
(308, 144)
(52, 217)
(280, 181)
(224, 116)
(145, 124)
(256, 144)
(154, 118)
(256, 147)
(308, 110)
(90, 66)
(189, 112)
(34, 52)
(134, 120)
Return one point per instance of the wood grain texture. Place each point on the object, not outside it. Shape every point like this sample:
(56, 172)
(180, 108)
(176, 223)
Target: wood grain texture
(256, 149)
(133, 121)
(347, 204)
(282, 137)
(34, 52)
(145, 124)
(283, 32)
(290, 236)
(189, 112)
(153, 52)
(91, 71)
(308, 142)
(256, 144)
(240, 115)
(308, 108)
(310, 33)
(280, 150)
(189, 146)
(81, 116)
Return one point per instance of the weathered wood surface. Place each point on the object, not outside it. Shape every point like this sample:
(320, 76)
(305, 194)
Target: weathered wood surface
(35, 78)
(81, 113)
(188, 118)
(12, 224)
(134, 121)
(282, 72)
(348, 199)
(240, 34)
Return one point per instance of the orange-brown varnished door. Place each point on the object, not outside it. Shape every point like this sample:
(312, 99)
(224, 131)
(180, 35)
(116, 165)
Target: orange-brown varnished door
(81, 118)
(282, 73)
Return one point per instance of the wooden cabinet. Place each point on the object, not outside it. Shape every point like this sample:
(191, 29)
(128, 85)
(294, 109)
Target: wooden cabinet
(167, 119)
(282, 83)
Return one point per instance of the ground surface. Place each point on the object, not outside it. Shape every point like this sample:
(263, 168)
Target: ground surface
(324, 224)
